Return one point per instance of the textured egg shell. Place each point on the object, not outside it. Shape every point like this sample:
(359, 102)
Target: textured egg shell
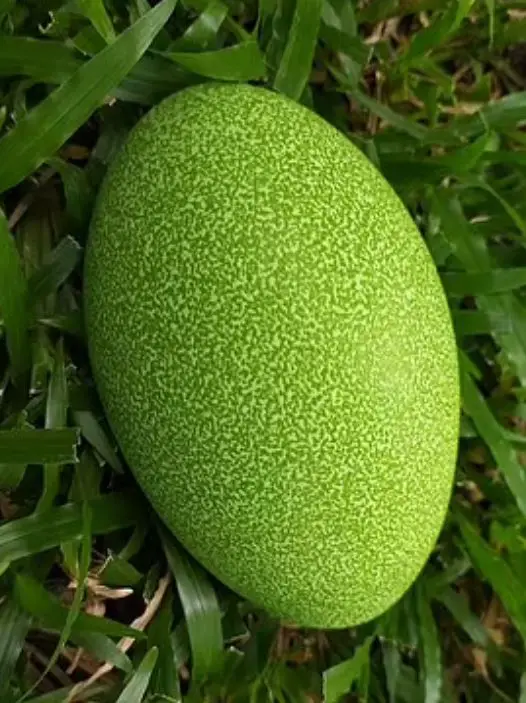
(274, 351)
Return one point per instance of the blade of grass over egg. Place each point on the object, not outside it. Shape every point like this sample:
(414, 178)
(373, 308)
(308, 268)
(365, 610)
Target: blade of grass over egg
(39, 532)
(296, 62)
(39, 446)
(339, 679)
(495, 569)
(138, 684)
(241, 62)
(431, 655)
(42, 60)
(200, 606)
(46, 127)
(492, 433)
(14, 304)
(55, 269)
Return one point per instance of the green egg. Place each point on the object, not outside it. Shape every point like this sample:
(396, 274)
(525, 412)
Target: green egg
(274, 351)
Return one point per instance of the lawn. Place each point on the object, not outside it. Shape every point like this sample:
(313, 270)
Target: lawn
(96, 603)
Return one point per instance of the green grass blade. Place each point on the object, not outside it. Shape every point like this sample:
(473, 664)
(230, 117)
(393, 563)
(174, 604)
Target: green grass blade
(56, 417)
(14, 305)
(14, 626)
(39, 446)
(430, 646)
(38, 602)
(40, 532)
(485, 283)
(494, 568)
(460, 610)
(296, 63)
(74, 611)
(339, 679)
(472, 251)
(499, 115)
(201, 609)
(165, 681)
(392, 660)
(410, 127)
(95, 11)
(138, 684)
(242, 62)
(56, 268)
(42, 60)
(78, 191)
(340, 14)
(438, 31)
(93, 432)
(102, 648)
(45, 128)
(281, 23)
(202, 33)
(492, 433)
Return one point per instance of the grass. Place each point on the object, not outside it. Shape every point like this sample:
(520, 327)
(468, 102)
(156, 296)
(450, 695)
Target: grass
(97, 603)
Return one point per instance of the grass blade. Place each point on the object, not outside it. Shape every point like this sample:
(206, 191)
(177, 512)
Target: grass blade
(45, 128)
(460, 610)
(410, 127)
(42, 60)
(56, 417)
(492, 433)
(38, 602)
(78, 191)
(39, 446)
(165, 681)
(200, 606)
(95, 11)
(14, 302)
(56, 268)
(202, 33)
(136, 688)
(338, 680)
(40, 532)
(485, 283)
(242, 62)
(14, 626)
(74, 611)
(495, 569)
(296, 63)
(430, 646)
(97, 437)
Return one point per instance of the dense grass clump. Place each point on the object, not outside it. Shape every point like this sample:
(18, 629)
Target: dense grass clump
(97, 602)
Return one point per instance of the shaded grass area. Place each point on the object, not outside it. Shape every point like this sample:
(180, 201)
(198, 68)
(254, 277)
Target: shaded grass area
(97, 603)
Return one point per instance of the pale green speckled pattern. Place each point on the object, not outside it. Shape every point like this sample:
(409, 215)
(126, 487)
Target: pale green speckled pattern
(274, 351)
